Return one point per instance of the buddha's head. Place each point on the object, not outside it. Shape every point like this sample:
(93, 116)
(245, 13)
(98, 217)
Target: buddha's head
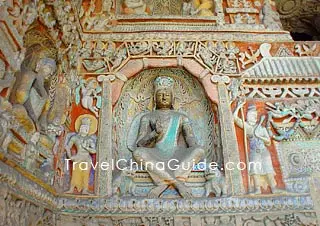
(163, 94)
(252, 115)
(84, 127)
(46, 67)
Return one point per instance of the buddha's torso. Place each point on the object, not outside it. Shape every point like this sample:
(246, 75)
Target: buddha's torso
(170, 121)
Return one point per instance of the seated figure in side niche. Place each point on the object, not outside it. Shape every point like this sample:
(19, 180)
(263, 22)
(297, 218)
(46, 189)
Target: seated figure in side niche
(158, 141)
(203, 7)
(137, 7)
(29, 91)
(85, 142)
(259, 139)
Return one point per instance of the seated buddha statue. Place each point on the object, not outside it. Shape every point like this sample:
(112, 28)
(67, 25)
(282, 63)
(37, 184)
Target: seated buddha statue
(166, 136)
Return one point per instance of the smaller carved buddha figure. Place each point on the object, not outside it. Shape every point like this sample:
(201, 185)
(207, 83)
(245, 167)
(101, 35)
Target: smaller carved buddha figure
(203, 7)
(159, 140)
(85, 144)
(137, 7)
(31, 152)
(30, 91)
(259, 139)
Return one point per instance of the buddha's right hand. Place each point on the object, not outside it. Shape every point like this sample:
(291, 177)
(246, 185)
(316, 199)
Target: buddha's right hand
(158, 128)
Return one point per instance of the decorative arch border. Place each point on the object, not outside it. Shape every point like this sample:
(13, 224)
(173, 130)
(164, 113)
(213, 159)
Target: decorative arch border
(214, 86)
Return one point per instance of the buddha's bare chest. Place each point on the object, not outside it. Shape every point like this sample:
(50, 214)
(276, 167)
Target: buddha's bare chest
(162, 119)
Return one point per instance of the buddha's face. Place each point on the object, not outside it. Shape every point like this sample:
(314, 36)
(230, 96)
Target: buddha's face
(46, 70)
(252, 117)
(84, 130)
(164, 99)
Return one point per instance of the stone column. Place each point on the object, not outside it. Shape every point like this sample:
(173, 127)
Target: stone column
(228, 136)
(104, 177)
(314, 192)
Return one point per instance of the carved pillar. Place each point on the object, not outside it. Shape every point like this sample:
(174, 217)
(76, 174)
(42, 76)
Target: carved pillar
(104, 177)
(314, 192)
(228, 136)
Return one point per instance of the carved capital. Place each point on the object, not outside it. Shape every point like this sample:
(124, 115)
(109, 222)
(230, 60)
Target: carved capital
(220, 79)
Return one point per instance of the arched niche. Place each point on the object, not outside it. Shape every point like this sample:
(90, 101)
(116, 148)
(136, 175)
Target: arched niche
(189, 98)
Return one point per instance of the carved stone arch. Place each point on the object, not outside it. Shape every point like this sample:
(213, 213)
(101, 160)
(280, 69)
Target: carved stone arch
(135, 66)
(190, 67)
(189, 98)
(137, 98)
(217, 93)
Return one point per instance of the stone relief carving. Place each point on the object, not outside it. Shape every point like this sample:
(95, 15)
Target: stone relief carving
(219, 220)
(185, 48)
(139, 7)
(7, 78)
(286, 219)
(85, 142)
(152, 206)
(259, 139)
(215, 183)
(123, 183)
(31, 152)
(217, 56)
(203, 8)
(279, 91)
(283, 51)
(270, 17)
(103, 17)
(134, 102)
(89, 94)
(187, 207)
(298, 161)
(163, 48)
(118, 57)
(303, 113)
(22, 15)
(155, 144)
(249, 58)
(30, 91)
(296, 131)
(305, 49)
(300, 16)
(139, 48)
(18, 211)
(21, 141)
(7, 122)
(91, 20)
